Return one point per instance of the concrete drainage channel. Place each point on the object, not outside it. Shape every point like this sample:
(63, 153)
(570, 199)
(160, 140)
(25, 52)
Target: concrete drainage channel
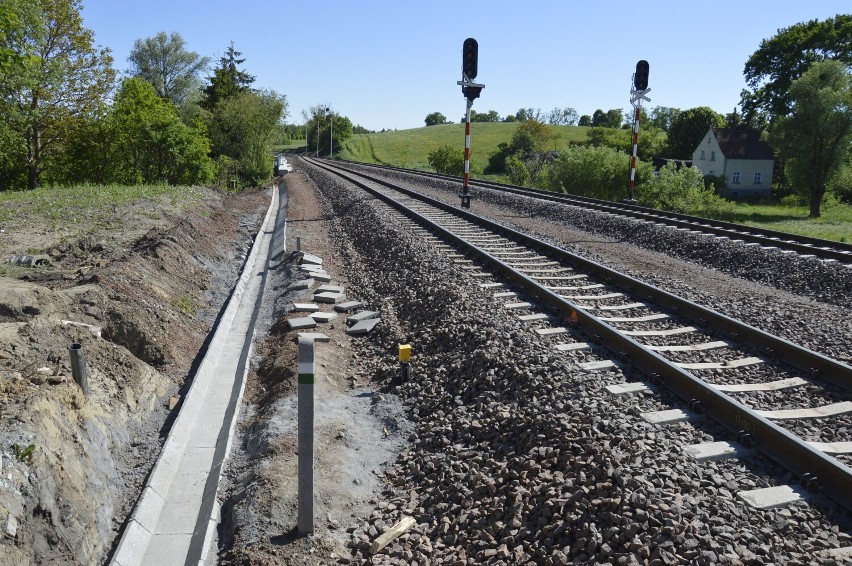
(175, 519)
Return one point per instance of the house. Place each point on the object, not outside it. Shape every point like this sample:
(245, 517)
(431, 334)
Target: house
(738, 155)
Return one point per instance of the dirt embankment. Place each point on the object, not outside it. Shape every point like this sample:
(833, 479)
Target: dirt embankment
(72, 466)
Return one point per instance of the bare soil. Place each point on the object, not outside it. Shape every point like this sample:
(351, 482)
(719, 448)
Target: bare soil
(150, 284)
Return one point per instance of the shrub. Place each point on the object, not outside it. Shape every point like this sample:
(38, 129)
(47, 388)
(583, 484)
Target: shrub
(447, 160)
(599, 172)
(682, 190)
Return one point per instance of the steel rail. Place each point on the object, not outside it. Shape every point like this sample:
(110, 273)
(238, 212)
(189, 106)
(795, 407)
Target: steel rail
(816, 469)
(803, 245)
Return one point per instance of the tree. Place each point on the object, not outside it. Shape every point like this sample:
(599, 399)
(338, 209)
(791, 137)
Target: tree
(814, 140)
(243, 127)
(771, 70)
(562, 116)
(608, 119)
(585, 120)
(164, 62)
(490, 116)
(227, 80)
(435, 118)
(61, 77)
(447, 160)
(152, 144)
(663, 117)
(689, 127)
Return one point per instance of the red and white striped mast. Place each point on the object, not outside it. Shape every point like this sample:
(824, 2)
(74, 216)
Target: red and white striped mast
(637, 95)
(471, 90)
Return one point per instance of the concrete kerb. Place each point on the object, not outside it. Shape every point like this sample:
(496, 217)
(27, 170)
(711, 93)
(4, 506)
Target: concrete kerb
(139, 531)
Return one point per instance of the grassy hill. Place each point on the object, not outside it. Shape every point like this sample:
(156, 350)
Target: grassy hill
(410, 148)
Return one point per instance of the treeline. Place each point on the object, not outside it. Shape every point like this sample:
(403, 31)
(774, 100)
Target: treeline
(68, 121)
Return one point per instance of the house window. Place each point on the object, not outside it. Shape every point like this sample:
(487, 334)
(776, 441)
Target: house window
(758, 178)
(712, 156)
(735, 177)
(702, 154)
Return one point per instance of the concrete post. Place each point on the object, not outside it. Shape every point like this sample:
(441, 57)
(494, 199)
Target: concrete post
(78, 367)
(298, 244)
(306, 437)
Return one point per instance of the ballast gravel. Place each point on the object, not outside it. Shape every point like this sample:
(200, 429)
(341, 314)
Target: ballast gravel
(517, 456)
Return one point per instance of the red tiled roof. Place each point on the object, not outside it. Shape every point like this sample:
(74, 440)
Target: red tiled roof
(741, 143)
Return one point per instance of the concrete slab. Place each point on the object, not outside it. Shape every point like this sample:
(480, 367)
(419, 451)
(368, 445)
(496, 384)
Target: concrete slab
(713, 451)
(536, 316)
(626, 388)
(728, 364)
(833, 448)
(310, 259)
(315, 336)
(329, 289)
(769, 386)
(322, 277)
(301, 285)
(769, 497)
(302, 323)
(597, 365)
(572, 347)
(305, 307)
(521, 305)
(311, 267)
(551, 331)
(363, 315)
(364, 326)
(667, 332)
(329, 298)
(348, 306)
(830, 410)
(670, 416)
(324, 316)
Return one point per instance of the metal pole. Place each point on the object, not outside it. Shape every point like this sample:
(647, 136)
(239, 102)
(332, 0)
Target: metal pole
(306, 436)
(331, 139)
(465, 196)
(78, 367)
(318, 132)
(632, 185)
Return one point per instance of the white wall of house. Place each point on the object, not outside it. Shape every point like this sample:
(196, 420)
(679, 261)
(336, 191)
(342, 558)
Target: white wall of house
(745, 178)
(708, 156)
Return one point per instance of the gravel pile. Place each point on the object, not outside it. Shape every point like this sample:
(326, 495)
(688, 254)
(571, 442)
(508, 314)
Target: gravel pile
(520, 457)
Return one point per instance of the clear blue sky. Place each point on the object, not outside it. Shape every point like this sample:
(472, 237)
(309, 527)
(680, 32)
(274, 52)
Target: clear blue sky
(387, 64)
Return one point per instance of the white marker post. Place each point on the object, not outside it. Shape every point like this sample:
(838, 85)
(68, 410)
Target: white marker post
(306, 436)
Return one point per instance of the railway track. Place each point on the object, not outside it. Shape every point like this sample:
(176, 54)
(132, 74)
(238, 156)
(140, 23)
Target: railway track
(737, 375)
(826, 250)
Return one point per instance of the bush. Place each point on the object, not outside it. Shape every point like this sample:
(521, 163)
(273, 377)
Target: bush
(517, 171)
(682, 190)
(599, 172)
(447, 160)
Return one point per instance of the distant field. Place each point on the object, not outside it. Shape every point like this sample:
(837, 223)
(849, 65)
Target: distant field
(835, 222)
(411, 148)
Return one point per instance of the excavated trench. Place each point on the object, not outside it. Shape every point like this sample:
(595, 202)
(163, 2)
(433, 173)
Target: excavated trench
(73, 466)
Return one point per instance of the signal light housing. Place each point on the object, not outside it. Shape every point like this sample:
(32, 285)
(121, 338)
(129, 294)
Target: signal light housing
(640, 79)
(470, 57)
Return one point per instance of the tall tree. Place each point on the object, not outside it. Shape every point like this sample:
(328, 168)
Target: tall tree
(164, 61)
(663, 117)
(814, 140)
(780, 60)
(435, 118)
(61, 76)
(227, 80)
(243, 127)
(689, 127)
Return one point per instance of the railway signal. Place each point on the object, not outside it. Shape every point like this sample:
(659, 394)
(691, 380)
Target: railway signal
(471, 91)
(637, 95)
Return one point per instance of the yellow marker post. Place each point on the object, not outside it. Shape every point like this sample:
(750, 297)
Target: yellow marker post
(404, 362)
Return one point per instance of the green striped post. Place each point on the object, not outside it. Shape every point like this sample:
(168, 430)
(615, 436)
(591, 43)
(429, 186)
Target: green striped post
(306, 436)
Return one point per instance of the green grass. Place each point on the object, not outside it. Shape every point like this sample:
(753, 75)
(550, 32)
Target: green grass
(835, 222)
(411, 148)
(96, 204)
